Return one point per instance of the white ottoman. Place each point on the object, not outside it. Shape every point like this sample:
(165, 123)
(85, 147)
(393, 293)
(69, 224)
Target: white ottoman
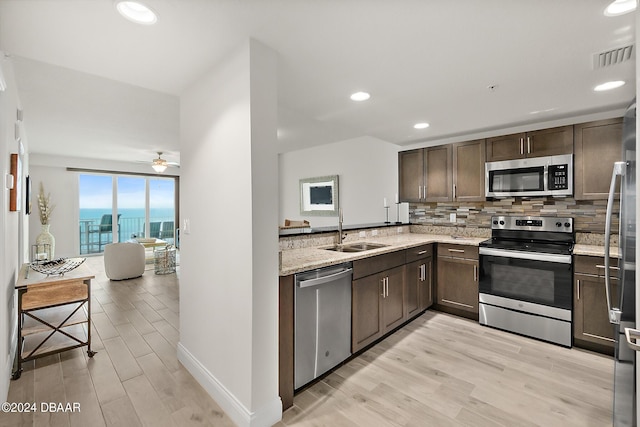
(123, 260)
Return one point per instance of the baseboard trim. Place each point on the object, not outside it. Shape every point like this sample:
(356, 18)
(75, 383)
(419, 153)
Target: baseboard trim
(8, 368)
(267, 415)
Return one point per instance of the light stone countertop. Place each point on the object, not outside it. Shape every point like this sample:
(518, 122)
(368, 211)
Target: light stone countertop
(595, 250)
(297, 260)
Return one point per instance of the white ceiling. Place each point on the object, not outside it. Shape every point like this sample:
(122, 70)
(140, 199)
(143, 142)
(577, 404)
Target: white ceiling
(93, 84)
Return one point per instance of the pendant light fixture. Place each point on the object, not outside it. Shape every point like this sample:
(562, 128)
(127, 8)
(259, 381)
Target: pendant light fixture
(159, 165)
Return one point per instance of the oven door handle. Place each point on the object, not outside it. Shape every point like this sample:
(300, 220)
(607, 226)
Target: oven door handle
(619, 169)
(533, 256)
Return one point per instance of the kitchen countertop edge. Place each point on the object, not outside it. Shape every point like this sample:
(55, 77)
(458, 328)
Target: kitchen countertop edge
(594, 250)
(298, 260)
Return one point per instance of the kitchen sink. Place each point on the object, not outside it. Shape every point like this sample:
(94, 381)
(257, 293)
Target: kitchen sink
(356, 247)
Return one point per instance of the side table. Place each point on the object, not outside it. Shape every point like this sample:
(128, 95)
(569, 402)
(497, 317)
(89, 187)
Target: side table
(54, 313)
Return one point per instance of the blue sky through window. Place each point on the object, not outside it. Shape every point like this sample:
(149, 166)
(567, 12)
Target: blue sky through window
(96, 192)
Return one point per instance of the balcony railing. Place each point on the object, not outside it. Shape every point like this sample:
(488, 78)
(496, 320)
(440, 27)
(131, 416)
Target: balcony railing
(93, 240)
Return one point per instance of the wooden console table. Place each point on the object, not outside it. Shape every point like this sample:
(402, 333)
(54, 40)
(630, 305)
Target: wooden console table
(54, 313)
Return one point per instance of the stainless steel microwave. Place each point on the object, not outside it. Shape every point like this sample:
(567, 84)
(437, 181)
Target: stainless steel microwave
(532, 177)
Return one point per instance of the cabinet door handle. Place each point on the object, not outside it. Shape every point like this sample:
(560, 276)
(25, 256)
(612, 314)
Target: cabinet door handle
(419, 191)
(454, 191)
(430, 284)
(528, 145)
(424, 191)
(475, 273)
(521, 145)
(578, 289)
(383, 279)
(387, 279)
(610, 268)
(456, 250)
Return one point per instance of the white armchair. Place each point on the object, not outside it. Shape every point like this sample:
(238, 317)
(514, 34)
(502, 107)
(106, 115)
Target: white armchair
(123, 260)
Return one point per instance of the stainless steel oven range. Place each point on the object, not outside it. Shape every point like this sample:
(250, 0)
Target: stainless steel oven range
(526, 277)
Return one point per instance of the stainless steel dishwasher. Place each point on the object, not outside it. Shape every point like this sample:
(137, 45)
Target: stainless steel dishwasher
(322, 321)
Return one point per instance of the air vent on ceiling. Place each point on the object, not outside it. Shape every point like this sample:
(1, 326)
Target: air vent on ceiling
(613, 56)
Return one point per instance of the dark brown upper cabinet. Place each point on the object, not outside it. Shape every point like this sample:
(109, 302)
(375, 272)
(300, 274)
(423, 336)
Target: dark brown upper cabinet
(545, 142)
(468, 171)
(597, 146)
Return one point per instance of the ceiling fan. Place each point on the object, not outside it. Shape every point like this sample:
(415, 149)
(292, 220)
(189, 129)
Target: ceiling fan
(160, 165)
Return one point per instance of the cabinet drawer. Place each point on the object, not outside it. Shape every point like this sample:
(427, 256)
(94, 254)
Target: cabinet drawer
(593, 265)
(420, 252)
(46, 296)
(457, 251)
(376, 264)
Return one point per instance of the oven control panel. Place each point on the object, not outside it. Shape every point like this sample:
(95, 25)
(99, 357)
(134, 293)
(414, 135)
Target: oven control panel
(529, 223)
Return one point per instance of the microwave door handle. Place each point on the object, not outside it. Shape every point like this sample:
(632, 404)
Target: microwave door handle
(545, 178)
(619, 169)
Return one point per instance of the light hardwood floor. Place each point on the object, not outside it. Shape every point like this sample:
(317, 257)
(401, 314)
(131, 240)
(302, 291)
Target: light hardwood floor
(439, 370)
(135, 378)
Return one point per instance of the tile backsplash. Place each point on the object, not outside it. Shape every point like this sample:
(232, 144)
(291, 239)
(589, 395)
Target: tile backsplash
(589, 215)
(329, 238)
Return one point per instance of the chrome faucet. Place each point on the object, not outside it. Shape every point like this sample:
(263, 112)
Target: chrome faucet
(340, 236)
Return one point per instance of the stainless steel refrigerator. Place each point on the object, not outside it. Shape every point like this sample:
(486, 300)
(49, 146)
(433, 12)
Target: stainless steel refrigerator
(622, 302)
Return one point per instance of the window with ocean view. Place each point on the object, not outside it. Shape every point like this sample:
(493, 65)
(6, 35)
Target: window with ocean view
(119, 208)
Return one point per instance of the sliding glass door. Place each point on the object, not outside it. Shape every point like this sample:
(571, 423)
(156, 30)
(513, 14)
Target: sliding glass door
(96, 208)
(118, 208)
(162, 210)
(132, 206)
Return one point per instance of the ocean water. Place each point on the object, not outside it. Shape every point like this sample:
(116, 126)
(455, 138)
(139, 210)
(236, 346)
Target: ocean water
(132, 223)
(162, 214)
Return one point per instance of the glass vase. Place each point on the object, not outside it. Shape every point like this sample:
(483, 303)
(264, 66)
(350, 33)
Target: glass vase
(45, 244)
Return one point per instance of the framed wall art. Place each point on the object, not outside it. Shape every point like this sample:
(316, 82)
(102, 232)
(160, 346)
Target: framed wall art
(15, 194)
(27, 197)
(319, 196)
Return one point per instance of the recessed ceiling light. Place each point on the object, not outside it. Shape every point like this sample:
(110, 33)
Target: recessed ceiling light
(548, 110)
(608, 86)
(620, 7)
(421, 125)
(136, 12)
(360, 96)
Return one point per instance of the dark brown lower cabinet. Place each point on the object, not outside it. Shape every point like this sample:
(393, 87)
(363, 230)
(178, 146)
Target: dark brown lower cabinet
(392, 299)
(419, 286)
(591, 326)
(285, 344)
(366, 319)
(377, 306)
(457, 279)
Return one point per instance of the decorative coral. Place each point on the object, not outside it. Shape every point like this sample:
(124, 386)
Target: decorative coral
(44, 205)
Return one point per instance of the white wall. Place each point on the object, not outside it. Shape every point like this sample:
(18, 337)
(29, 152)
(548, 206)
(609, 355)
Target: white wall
(229, 264)
(12, 226)
(368, 172)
